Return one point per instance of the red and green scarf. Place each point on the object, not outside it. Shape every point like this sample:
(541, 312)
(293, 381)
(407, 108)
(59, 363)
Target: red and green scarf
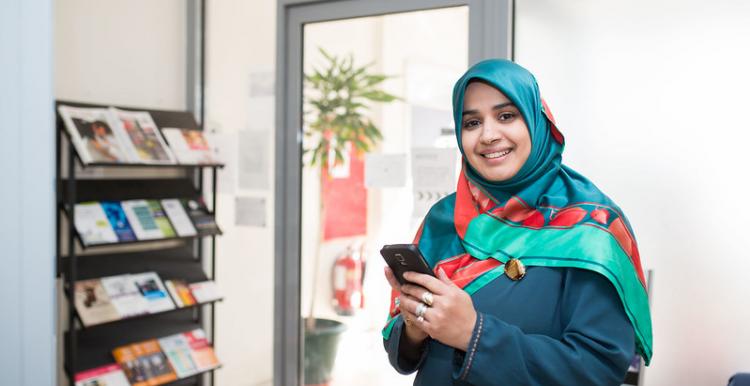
(546, 215)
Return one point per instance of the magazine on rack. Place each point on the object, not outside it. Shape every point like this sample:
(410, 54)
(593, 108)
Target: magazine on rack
(153, 290)
(93, 135)
(92, 224)
(190, 147)
(180, 293)
(93, 304)
(205, 291)
(202, 219)
(142, 219)
(107, 375)
(144, 363)
(177, 349)
(125, 295)
(161, 218)
(179, 218)
(201, 351)
(145, 144)
(118, 220)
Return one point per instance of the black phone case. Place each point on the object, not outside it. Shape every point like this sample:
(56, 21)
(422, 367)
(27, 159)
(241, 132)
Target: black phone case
(403, 258)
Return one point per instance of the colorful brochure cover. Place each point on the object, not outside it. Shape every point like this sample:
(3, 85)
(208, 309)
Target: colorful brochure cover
(161, 218)
(93, 304)
(118, 220)
(180, 293)
(201, 351)
(107, 375)
(144, 363)
(142, 219)
(93, 135)
(92, 224)
(177, 349)
(178, 217)
(152, 289)
(145, 143)
(190, 147)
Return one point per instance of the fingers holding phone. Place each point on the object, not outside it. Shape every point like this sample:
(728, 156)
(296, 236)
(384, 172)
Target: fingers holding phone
(413, 330)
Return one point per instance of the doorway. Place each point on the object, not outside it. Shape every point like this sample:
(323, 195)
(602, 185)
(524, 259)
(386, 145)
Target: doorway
(363, 121)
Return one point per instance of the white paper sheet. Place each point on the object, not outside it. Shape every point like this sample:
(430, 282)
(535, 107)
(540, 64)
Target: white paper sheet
(254, 161)
(385, 170)
(250, 211)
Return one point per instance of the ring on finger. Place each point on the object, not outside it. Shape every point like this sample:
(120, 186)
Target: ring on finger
(407, 321)
(427, 298)
(420, 319)
(421, 309)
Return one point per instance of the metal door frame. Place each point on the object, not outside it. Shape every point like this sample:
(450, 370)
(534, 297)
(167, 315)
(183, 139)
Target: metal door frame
(490, 36)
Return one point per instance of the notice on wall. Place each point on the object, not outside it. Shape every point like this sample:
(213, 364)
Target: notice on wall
(253, 158)
(250, 211)
(226, 149)
(434, 174)
(385, 170)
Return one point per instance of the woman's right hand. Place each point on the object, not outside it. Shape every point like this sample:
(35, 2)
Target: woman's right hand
(413, 332)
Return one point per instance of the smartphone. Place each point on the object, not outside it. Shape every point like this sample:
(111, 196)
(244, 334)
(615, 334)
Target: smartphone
(403, 258)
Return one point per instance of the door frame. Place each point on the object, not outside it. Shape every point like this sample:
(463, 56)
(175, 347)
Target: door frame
(490, 36)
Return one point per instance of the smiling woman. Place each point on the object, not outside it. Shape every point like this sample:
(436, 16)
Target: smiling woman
(538, 277)
(494, 136)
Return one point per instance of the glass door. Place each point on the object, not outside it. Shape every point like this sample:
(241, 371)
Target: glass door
(365, 145)
(376, 118)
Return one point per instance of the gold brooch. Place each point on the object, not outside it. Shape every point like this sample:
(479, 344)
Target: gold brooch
(515, 269)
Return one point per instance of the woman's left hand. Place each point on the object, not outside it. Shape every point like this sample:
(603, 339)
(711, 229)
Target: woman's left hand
(451, 317)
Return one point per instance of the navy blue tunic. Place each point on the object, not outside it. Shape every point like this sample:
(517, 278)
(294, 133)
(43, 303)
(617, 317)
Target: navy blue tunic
(556, 326)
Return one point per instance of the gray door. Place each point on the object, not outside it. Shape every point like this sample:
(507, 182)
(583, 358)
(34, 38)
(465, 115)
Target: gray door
(333, 216)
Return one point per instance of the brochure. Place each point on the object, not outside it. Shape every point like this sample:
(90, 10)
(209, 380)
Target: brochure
(93, 135)
(142, 219)
(201, 351)
(190, 146)
(118, 220)
(178, 217)
(160, 218)
(180, 293)
(93, 304)
(125, 295)
(144, 363)
(153, 291)
(107, 375)
(145, 143)
(205, 291)
(92, 224)
(202, 219)
(177, 349)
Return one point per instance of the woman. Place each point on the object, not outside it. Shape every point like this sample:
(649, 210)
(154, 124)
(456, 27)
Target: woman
(539, 279)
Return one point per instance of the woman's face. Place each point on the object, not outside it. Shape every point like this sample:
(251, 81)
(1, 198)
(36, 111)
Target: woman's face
(494, 136)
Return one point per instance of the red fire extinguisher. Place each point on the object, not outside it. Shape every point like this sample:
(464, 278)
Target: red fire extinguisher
(348, 277)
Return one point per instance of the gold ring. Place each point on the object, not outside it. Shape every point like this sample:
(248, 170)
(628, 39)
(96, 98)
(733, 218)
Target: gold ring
(407, 321)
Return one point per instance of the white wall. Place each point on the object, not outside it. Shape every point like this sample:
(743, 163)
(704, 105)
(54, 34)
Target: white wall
(122, 52)
(27, 258)
(241, 45)
(652, 98)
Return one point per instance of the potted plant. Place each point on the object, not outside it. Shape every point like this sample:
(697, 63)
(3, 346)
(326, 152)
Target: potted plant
(337, 100)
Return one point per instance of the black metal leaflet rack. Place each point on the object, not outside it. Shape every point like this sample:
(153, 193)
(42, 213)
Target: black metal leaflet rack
(181, 258)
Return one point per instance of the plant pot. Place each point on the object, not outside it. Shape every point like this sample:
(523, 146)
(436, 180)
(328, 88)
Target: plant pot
(321, 345)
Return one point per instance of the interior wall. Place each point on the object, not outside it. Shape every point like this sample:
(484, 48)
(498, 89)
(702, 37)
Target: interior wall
(652, 99)
(240, 62)
(121, 52)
